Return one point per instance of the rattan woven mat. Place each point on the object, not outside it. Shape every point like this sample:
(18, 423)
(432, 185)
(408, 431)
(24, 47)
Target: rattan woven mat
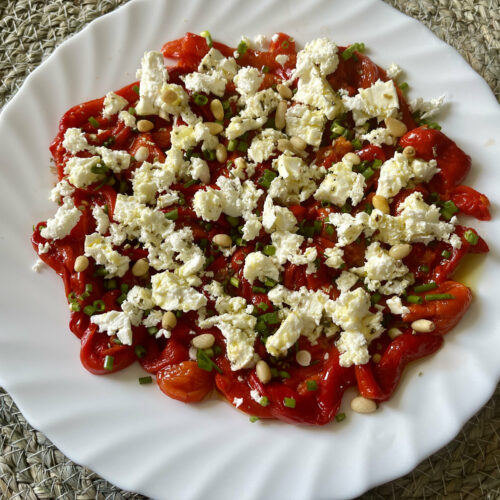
(32, 467)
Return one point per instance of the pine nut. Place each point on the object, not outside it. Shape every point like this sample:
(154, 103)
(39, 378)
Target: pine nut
(214, 128)
(284, 145)
(279, 118)
(409, 152)
(140, 268)
(395, 127)
(81, 263)
(203, 341)
(394, 332)
(223, 240)
(263, 371)
(352, 158)
(423, 325)
(169, 96)
(363, 405)
(298, 143)
(168, 320)
(217, 109)
(145, 126)
(284, 91)
(221, 153)
(142, 154)
(400, 251)
(381, 203)
(376, 358)
(303, 358)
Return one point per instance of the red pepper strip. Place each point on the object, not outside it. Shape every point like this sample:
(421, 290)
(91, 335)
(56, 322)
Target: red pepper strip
(430, 144)
(378, 381)
(156, 358)
(444, 313)
(371, 152)
(471, 202)
(443, 271)
(94, 350)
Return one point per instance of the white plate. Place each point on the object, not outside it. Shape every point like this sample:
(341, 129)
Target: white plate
(132, 434)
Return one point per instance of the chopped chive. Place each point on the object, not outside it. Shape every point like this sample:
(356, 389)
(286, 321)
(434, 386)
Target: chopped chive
(135, 88)
(404, 86)
(270, 318)
(471, 237)
(140, 351)
(234, 281)
(89, 310)
(209, 352)
(99, 305)
(263, 306)
(434, 125)
(269, 250)
(94, 122)
(205, 363)
(242, 47)
(285, 44)
(217, 350)
(242, 146)
(254, 419)
(312, 385)
(232, 145)
(289, 402)
(339, 417)
(425, 287)
(233, 221)
(208, 37)
(446, 254)
(270, 283)
(349, 51)
(423, 269)
(317, 226)
(110, 284)
(145, 380)
(200, 99)
(172, 215)
(356, 143)
(283, 374)
(438, 296)
(368, 173)
(258, 289)
(265, 69)
(377, 163)
(131, 110)
(449, 209)
(75, 306)
(375, 298)
(264, 401)
(414, 299)
(190, 183)
(122, 298)
(108, 362)
(178, 314)
(267, 177)
(329, 229)
(124, 288)
(337, 129)
(152, 330)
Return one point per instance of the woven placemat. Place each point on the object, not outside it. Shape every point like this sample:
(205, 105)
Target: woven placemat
(31, 467)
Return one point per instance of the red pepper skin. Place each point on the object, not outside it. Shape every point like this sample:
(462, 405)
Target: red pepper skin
(430, 144)
(444, 313)
(471, 202)
(379, 380)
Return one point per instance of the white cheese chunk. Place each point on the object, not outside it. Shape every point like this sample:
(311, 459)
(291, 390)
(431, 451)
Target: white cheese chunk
(285, 336)
(79, 171)
(101, 218)
(264, 145)
(306, 123)
(379, 101)
(112, 104)
(334, 257)
(75, 141)
(397, 172)
(64, 220)
(260, 266)
(114, 323)
(207, 204)
(396, 306)
(171, 293)
(153, 75)
(100, 248)
(62, 189)
(248, 81)
(115, 160)
(276, 218)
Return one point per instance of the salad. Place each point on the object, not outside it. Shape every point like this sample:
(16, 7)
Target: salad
(273, 225)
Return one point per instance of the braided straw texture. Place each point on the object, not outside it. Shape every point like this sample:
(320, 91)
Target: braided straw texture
(31, 467)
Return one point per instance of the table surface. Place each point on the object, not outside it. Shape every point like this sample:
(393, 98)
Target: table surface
(31, 467)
